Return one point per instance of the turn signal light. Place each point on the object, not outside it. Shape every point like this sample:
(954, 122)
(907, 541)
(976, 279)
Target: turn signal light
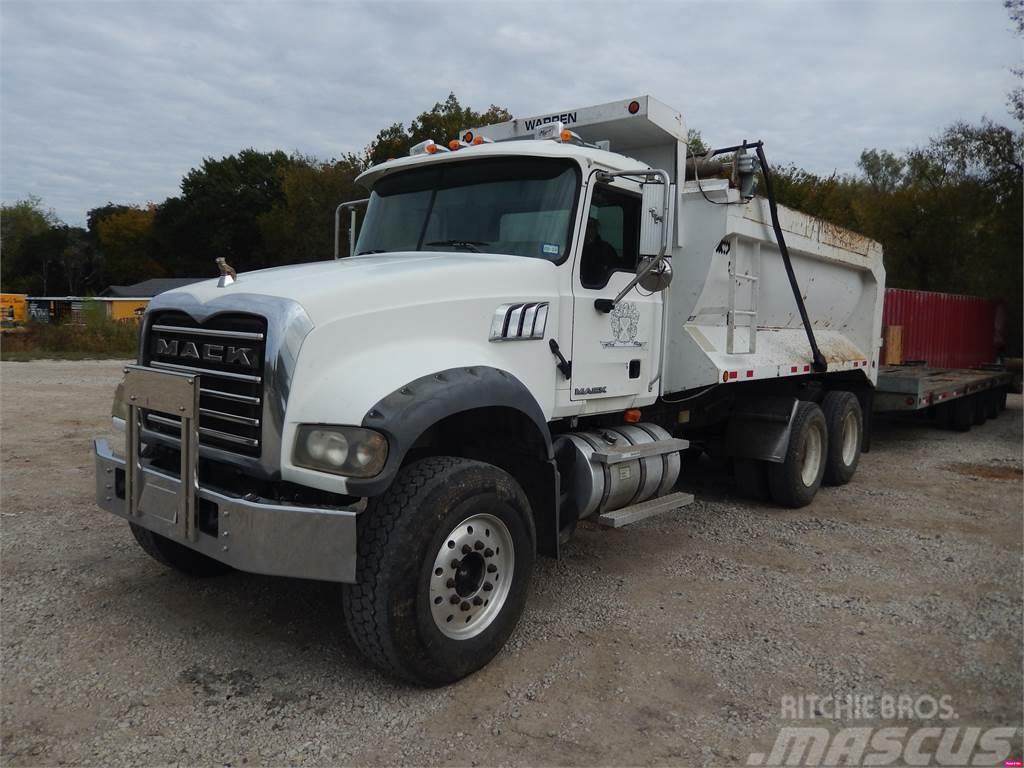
(632, 416)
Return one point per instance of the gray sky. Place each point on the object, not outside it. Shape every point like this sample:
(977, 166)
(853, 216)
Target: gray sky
(117, 101)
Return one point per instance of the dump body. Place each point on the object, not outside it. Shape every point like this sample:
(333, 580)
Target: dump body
(730, 264)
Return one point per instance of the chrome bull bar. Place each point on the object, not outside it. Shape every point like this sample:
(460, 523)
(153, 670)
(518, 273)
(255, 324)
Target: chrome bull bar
(250, 534)
(175, 394)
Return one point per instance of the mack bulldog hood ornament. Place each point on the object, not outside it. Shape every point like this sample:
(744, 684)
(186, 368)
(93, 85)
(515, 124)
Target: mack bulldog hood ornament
(227, 273)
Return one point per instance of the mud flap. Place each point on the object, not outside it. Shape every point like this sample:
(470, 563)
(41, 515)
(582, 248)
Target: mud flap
(759, 428)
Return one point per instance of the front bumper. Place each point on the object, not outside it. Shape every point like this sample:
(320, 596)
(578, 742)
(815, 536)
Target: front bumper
(249, 534)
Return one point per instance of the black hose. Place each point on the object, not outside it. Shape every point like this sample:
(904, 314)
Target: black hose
(819, 360)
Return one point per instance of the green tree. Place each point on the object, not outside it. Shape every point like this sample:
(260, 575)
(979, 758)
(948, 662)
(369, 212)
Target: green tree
(19, 222)
(301, 226)
(1015, 99)
(218, 211)
(125, 239)
(442, 123)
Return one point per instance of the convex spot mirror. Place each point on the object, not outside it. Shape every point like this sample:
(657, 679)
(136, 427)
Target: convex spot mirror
(660, 276)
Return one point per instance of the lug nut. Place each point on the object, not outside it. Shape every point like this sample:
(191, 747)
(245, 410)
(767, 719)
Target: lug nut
(454, 599)
(478, 600)
(465, 605)
(488, 586)
(450, 583)
(488, 552)
(465, 549)
(491, 568)
(478, 545)
(455, 564)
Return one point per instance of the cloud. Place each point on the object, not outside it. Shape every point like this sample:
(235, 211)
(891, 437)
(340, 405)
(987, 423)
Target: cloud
(117, 101)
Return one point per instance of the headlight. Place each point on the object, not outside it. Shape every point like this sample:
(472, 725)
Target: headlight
(351, 451)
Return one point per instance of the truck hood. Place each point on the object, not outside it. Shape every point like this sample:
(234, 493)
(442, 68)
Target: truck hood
(330, 290)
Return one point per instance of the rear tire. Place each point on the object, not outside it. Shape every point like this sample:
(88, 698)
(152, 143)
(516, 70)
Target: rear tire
(177, 556)
(431, 555)
(796, 480)
(961, 414)
(992, 404)
(980, 408)
(845, 423)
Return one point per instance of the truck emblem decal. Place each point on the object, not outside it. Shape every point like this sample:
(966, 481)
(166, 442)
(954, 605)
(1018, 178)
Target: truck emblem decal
(590, 390)
(566, 117)
(214, 353)
(624, 321)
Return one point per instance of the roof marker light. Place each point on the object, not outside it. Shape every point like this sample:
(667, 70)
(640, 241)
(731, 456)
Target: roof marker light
(634, 107)
(455, 145)
(426, 147)
(468, 137)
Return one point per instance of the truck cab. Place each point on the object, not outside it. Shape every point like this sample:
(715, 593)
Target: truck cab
(504, 353)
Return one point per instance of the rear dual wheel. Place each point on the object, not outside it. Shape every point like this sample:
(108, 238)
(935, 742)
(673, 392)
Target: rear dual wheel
(845, 422)
(795, 481)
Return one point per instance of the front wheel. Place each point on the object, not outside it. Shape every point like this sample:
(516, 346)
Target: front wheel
(445, 558)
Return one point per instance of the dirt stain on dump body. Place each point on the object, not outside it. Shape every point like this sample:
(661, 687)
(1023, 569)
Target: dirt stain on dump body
(987, 471)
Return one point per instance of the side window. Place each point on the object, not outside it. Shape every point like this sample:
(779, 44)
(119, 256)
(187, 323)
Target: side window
(612, 239)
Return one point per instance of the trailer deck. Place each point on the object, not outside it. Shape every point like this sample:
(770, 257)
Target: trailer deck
(913, 387)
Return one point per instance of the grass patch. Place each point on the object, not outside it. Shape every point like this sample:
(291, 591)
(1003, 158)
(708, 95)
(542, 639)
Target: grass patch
(96, 337)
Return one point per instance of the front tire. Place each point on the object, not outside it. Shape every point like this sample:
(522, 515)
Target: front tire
(445, 559)
(177, 556)
(796, 480)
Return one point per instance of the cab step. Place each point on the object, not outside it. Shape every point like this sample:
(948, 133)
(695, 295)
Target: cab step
(637, 512)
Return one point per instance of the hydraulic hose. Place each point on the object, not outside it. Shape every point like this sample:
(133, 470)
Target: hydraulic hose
(819, 360)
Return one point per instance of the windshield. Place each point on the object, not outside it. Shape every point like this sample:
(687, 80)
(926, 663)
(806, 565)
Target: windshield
(521, 206)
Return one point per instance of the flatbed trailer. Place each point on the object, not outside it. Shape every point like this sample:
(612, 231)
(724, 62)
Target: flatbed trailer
(958, 397)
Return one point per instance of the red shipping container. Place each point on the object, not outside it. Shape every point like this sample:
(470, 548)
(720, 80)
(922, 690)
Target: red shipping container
(945, 330)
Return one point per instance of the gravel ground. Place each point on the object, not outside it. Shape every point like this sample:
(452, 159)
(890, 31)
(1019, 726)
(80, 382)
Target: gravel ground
(668, 642)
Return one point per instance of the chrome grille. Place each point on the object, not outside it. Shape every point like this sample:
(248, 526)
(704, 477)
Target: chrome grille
(227, 352)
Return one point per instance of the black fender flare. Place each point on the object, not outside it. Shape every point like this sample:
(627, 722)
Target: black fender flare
(405, 414)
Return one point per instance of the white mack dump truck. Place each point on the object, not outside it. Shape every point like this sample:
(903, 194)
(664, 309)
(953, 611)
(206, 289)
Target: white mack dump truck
(532, 325)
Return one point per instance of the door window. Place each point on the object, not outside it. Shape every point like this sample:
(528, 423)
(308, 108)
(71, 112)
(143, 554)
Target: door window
(612, 240)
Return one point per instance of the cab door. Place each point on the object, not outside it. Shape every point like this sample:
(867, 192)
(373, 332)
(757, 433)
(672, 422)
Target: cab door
(612, 353)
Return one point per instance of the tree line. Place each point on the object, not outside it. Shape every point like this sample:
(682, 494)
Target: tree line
(948, 213)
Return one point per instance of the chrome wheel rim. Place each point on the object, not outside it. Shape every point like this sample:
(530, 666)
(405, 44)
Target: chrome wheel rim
(851, 437)
(810, 461)
(471, 576)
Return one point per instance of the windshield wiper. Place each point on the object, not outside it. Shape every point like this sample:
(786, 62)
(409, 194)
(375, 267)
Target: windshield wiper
(469, 245)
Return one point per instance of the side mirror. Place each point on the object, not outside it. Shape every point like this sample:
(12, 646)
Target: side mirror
(655, 219)
(352, 206)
